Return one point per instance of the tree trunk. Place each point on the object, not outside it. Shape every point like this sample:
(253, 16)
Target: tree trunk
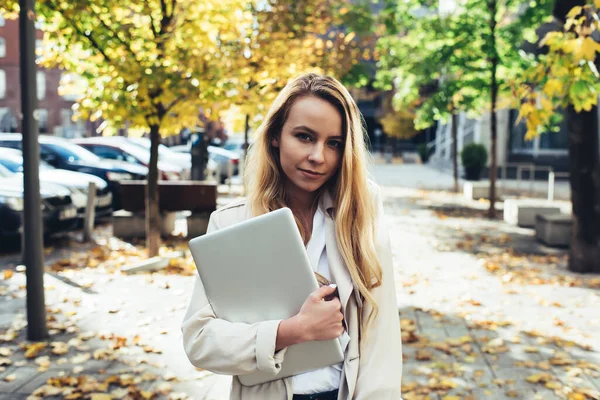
(584, 171)
(492, 6)
(246, 131)
(455, 149)
(152, 211)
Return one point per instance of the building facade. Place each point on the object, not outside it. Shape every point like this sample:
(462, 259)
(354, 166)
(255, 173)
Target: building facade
(548, 150)
(54, 111)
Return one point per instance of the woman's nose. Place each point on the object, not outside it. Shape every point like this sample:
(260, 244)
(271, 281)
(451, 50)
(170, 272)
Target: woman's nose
(316, 155)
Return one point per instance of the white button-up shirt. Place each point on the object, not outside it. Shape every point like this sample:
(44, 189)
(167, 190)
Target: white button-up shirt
(327, 378)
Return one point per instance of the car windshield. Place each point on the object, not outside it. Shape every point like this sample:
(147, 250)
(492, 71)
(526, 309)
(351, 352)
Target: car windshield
(232, 146)
(145, 143)
(4, 172)
(11, 164)
(138, 152)
(73, 152)
(14, 163)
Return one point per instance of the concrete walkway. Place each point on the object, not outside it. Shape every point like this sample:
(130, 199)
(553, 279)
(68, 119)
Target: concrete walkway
(425, 177)
(483, 308)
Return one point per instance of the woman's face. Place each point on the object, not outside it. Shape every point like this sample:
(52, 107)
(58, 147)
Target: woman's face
(311, 144)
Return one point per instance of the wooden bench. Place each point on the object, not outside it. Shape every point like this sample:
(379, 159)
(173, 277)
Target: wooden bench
(197, 197)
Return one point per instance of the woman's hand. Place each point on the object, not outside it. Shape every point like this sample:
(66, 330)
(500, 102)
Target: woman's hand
(318, 319)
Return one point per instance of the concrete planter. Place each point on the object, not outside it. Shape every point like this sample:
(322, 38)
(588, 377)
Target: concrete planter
(554, 230)
(523, 212)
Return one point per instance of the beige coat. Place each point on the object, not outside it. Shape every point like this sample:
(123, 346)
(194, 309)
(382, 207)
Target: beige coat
(371, 373)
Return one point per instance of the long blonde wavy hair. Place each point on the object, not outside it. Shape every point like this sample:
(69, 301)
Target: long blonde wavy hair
(355, 210)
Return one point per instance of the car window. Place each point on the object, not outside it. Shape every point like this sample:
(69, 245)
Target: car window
(107, 152)
(11, 144)
(70, 152)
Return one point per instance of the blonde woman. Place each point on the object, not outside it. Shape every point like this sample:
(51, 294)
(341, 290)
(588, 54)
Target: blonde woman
(310, 156)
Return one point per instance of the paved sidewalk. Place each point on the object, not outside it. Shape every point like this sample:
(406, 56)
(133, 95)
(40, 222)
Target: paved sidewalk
(484, 307)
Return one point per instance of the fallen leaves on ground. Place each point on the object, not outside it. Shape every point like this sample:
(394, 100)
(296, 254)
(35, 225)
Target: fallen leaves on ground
(111, 254)
(70, 356)
(531, 269)
(453, 367)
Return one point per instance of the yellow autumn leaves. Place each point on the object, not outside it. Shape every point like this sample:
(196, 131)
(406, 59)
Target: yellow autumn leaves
(566, 75)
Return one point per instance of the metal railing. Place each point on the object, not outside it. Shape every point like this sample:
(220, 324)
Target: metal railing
(551, 178)
(532, 168)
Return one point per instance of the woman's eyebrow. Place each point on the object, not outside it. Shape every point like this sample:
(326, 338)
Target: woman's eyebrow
(306, 128)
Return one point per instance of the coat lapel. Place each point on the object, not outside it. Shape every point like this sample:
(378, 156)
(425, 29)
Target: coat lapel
(339, 273)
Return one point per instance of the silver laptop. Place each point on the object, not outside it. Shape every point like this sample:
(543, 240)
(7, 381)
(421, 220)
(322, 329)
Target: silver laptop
(258, 270)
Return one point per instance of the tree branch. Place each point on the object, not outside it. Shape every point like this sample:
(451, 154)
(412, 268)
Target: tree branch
(71, 22)
(116, 36)
(173, 103)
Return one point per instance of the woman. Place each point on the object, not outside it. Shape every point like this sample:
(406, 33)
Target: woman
(310, 156)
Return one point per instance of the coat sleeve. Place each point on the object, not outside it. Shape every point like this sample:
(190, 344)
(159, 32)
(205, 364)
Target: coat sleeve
(225, 347)
(380, 361)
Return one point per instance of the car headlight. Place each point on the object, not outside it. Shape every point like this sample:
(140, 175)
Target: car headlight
(118, 176)
(79, 197)
(16, 203)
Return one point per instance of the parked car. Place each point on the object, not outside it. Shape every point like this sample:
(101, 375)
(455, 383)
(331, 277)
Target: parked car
(120, 149)
(211, 166)
(76, 182)
(236, 145)
(219, 156)
(63, 154)
(223, 157)
(166, 154)
(58, 211)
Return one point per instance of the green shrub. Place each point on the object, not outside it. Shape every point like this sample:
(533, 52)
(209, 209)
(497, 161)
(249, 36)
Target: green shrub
(423, 152)
(474, 155)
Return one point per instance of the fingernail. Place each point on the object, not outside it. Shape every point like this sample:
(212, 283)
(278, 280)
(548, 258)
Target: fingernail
(333, 285)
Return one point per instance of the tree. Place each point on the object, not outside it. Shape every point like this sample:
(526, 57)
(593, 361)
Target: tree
(566, 78)
(397, 123)
(288, 38)
(151, 64)
(430, 70)
(456, 62)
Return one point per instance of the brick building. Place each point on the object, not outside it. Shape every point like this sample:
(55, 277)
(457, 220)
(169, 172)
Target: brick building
(54, 111)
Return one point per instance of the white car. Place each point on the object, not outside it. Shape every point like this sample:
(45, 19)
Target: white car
(76, 182)
(166, 154)
(211, 166)
(121, 149)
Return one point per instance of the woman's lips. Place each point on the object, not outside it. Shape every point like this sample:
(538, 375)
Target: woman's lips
(310, 174)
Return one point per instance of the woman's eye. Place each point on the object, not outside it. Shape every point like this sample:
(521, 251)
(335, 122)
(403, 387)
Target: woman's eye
(304, 137)
(336, 144)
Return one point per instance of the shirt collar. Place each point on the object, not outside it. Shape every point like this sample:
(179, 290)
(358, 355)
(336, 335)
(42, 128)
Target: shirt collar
(326, 203)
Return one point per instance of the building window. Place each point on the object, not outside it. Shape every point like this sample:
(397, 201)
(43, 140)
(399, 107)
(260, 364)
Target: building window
(41, 85)
(42, 117)
(2, 47)
(2, 23)
(72, 86)
(545, 143)
(39, 46)
(2, 84)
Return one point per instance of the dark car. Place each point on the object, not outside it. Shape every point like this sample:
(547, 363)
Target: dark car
(58, 211)
(62, 153)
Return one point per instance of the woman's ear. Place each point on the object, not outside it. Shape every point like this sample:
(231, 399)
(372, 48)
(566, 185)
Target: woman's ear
(275, 142)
